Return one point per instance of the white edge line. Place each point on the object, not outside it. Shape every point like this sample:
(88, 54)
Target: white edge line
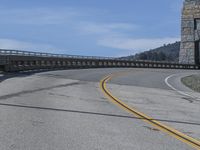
(178, 91)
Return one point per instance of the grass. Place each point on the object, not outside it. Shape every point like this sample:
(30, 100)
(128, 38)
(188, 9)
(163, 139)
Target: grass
(193, 82)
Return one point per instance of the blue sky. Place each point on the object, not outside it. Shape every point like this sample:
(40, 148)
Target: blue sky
(89, 27)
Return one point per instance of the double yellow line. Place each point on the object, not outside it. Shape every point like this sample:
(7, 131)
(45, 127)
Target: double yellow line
(169, 130)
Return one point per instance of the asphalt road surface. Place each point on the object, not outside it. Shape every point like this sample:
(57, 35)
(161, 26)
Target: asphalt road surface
(66, 110)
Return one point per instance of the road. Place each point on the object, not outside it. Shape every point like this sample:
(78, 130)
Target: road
(66, 110)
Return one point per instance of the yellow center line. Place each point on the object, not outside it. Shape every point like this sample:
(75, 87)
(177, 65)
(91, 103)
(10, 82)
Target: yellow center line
(162, 127)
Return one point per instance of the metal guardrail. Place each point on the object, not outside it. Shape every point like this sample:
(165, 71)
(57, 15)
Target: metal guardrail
(16, 60)
(7, 52)
(39, 54)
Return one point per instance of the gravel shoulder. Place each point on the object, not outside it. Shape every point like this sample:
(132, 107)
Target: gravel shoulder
(193, 82)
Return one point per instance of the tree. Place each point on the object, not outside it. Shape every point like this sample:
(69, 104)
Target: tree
(161, 56)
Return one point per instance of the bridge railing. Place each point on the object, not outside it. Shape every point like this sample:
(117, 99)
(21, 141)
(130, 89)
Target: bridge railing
(39, 54)
(17, 60)
(6, 52)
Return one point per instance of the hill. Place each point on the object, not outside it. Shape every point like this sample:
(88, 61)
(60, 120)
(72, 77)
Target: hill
(169, 52)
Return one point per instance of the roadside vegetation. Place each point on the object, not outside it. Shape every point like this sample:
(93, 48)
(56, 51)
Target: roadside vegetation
(167, 52)
(192, 82)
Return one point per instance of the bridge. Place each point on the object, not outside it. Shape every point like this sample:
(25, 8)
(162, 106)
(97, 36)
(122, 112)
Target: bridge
(15, 60)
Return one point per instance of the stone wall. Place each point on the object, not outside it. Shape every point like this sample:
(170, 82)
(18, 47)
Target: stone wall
(190, 30)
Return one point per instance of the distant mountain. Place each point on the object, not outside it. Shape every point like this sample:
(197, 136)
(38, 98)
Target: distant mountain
(169, 52)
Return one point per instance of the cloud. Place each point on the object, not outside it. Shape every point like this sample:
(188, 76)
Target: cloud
(37, 16)
(21, 45)
(116, 36)
(135, 45)
(108, 34)
(105, 28)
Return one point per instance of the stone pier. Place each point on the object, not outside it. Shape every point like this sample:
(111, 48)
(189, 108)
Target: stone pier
(190, 32)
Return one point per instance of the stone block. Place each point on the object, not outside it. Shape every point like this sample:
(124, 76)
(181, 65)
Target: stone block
(197, 35)
(187, 31)
(187, 23)
(187, 38)
(190, 31)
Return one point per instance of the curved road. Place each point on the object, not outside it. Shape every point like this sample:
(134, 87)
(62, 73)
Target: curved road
(66, 110)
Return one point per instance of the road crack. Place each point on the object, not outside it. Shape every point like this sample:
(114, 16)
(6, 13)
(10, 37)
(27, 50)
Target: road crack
(18, 94)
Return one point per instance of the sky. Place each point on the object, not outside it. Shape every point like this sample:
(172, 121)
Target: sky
(89, 27)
